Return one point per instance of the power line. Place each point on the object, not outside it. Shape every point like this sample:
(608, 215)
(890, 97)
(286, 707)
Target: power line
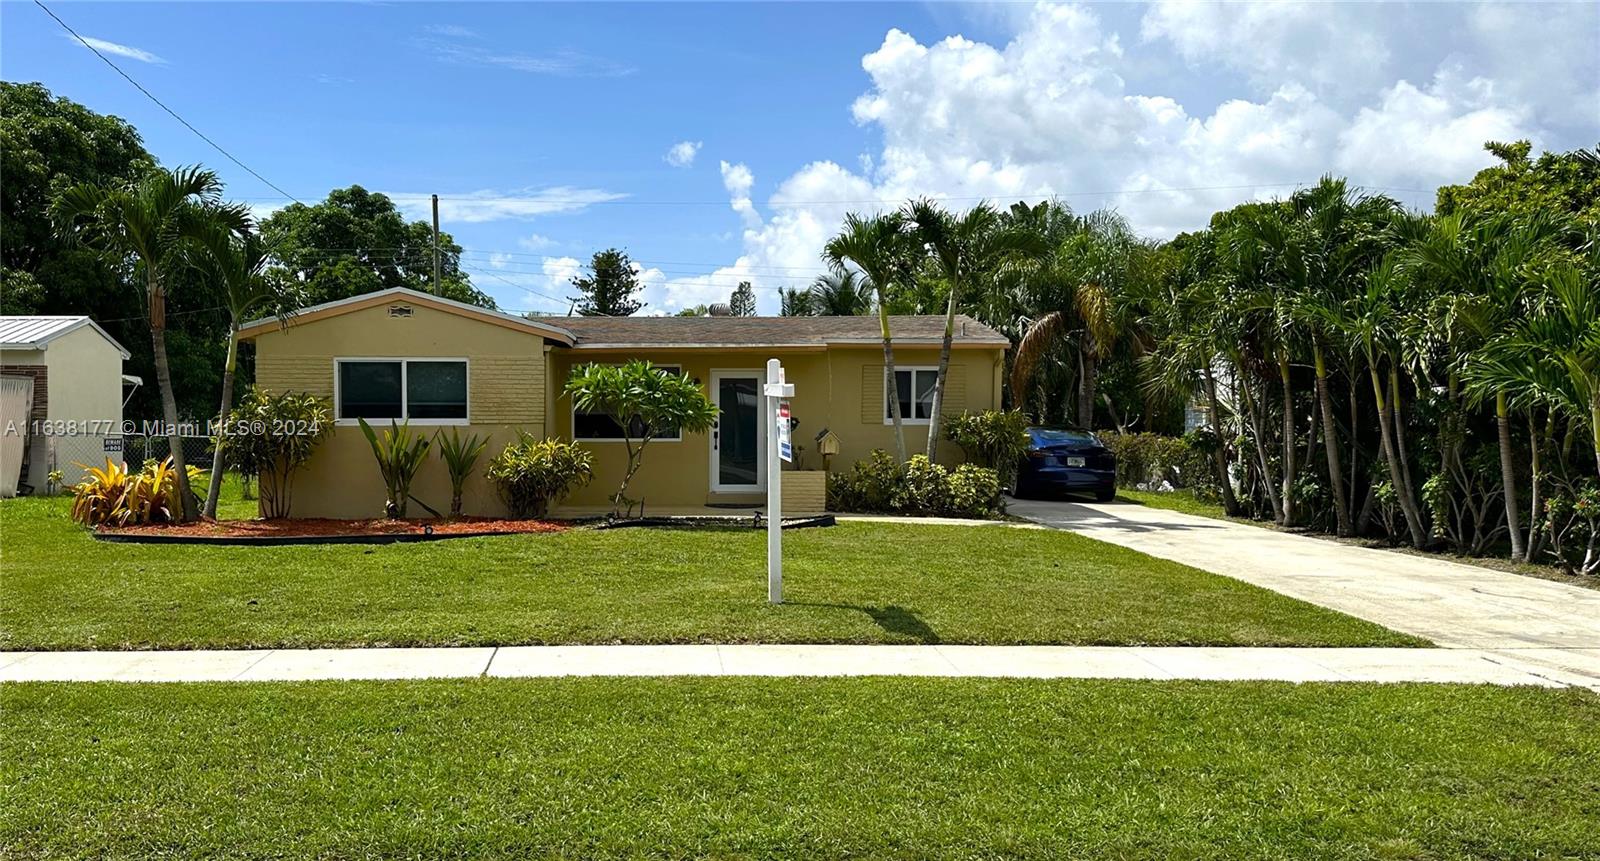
(580, 201)
(151, 96)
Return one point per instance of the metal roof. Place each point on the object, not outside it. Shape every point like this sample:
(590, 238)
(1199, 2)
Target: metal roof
(34, 333)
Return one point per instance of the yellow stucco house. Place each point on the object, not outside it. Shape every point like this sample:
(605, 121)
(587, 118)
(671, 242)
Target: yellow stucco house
(402, 354)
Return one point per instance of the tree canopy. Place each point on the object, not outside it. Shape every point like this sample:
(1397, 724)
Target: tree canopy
(609, 287)
(357, 241)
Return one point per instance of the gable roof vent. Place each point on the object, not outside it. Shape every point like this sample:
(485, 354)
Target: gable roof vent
(400, 310)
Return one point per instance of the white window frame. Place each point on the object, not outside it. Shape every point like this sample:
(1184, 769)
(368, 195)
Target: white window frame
(889, 388)
(405, 407)
(572, 416)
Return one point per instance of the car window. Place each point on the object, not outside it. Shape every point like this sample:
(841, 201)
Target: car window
(1044, 437)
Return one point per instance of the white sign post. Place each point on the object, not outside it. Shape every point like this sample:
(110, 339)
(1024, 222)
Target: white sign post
(778, 450)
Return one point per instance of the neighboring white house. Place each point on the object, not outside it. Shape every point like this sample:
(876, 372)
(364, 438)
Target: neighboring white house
(61, 396)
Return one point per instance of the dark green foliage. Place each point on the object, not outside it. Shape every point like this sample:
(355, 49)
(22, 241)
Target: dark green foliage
(920, 487)
(997, 439)
(400, 453)
(270, 437)
(531, 473)
(1150, 459)
(1555, 182)
(460, 455)
(610, 286)
(49, 144)
(743, 301)
(357, 241)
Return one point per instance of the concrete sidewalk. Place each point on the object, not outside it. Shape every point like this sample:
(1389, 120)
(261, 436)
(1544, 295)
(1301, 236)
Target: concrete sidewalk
(1457, 606)
(1065, 662)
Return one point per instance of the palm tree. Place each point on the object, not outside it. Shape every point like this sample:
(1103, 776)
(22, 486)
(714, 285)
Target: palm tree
(1555, 351)
(151, 224)
(840, 294)
(962, 250)
(1367, 320)
(792, 302)
(876, 245)
(236, 264)
(1336, 229)
(1478, 265)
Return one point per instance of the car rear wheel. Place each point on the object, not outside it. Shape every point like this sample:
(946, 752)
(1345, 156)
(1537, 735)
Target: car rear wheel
(1105, 495)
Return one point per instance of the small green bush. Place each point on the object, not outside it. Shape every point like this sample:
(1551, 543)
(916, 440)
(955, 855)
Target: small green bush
(993, 438)
(1149, 459)
(920, 487)
(271, 436)
(531, 474)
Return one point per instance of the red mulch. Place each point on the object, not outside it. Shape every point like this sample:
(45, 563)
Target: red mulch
(323, 526)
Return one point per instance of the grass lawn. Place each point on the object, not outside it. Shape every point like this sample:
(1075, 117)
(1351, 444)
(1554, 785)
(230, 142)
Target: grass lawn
(855, 583)
(798, 768)
(1182, 501)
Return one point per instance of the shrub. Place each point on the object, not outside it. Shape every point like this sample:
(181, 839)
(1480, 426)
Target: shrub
(271, 437)
(531, 474)
(1149, 460)
(118, 496)
(920, 487)
(1572, 522)
(924, 487)
(459, 456)
(400, 454)
(993, 438)
(974, 491)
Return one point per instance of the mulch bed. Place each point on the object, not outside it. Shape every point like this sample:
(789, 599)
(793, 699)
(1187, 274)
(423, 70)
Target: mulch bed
(323, 531)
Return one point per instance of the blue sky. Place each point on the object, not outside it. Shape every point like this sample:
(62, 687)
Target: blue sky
(548, 128)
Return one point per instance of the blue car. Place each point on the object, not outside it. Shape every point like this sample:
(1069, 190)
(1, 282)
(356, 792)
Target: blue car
(1066, 460)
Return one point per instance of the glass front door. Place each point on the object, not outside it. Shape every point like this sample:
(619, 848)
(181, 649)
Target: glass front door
(737, 461)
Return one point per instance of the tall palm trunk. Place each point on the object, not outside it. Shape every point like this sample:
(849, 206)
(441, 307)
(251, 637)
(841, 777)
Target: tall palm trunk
(1594, 427)
(1220, 455)
(1397, 413)
(1508, 477)
(891, 382)
(1386, 429)
(944, 368)
(1288, 440)
(1330, 443)
(1536, 445)
(1254, 409)
(214, 488)
(1086, 388)
(169, 405)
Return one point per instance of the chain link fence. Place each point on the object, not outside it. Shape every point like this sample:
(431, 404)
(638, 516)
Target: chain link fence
(71, 454)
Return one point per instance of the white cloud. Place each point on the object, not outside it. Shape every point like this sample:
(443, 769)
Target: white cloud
(563, 63)
(738, 180)
(454, 31)
(492, 205)
(1051, 113)
(682, 153)
(1443, 129)
(1324, 46)
(535, 242)
(106, 47)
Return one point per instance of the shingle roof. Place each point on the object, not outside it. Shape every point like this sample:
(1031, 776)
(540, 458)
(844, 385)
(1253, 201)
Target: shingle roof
(33, 333)
(637, 332)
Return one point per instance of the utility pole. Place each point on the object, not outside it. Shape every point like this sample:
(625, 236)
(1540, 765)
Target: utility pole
(436, 243)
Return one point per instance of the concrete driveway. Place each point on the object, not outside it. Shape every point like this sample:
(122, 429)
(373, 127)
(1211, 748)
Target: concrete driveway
(1525, 619)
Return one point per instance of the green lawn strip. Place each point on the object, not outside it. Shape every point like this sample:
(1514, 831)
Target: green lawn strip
(855, 583)
(1182, 501)
(798, 768)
